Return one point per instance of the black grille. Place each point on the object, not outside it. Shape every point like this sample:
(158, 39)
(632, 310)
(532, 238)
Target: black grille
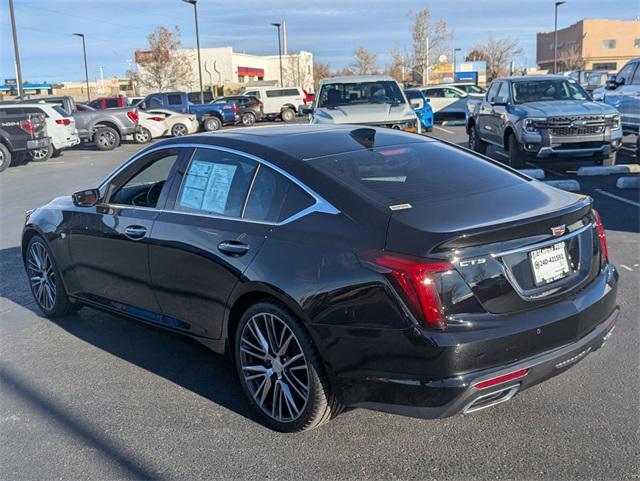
(592, 130)
(562, 126)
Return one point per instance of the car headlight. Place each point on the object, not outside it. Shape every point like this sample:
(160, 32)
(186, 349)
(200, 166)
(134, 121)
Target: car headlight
(529, 124)
(613, 121)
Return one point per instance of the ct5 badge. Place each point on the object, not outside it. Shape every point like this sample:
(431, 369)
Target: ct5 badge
(472, 262)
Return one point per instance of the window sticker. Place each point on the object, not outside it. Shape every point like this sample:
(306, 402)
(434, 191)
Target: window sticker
(207, 186)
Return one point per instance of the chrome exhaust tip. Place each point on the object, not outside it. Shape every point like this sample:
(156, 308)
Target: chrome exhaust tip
(491, 399)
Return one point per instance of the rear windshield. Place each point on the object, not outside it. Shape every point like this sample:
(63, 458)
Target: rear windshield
(415, 173)
(378, 92)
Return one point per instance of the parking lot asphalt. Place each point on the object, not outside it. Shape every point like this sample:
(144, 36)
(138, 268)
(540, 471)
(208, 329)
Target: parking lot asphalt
(95, 396)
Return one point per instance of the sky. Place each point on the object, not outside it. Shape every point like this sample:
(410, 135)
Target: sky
(330, 29)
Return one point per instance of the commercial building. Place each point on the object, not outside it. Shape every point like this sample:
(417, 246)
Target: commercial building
(592, 44)
(222, 67)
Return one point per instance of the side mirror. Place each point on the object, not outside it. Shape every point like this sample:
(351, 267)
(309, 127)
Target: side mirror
(498, 101)
(416, 103)
(86, 198)
(305, 110)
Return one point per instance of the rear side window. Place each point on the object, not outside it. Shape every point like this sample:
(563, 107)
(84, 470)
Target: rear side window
(216, 182)
(283, 93)
(415, 173)
(274, 198)
(111, 103)
(174, 99)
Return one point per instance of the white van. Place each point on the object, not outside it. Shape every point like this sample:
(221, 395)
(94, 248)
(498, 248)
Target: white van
(279, 102)
(61, 127)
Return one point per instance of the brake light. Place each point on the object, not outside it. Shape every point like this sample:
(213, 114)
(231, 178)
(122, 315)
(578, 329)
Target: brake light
(157, 119)
(133, 115)
(415, 279)
(27, 126)
(63, 121)
(601, 235)
(512, 376)
(235, 108)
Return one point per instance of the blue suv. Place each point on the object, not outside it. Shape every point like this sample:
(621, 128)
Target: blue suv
(622, 91)
(424, 113)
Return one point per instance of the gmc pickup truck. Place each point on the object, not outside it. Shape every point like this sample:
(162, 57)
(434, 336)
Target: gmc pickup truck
(543, 118)
(211, 116)
(19, 134)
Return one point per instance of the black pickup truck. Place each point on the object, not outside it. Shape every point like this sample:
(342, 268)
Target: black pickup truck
(20, 133)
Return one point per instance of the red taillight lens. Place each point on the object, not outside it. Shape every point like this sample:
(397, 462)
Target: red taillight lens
(157, 119)
(27, 126)
(415, 279)
(601, 235)
(512, 376)
(133, 115)
(63, 121)
(235, 108)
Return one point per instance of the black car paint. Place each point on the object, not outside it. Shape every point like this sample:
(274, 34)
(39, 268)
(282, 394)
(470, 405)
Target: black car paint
(375, 353)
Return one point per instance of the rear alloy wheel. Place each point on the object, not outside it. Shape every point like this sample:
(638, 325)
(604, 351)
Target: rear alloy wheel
(143, 136)
(106, 138)
(212, 124)
(248, 119)
(475, 142)
(179, 130)
(5, 158)
(280, 371)
(41, 155)
(517, 157)
(287, 115)
(44, 279)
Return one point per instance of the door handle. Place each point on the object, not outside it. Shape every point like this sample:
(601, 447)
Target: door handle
(233, 247)
(135, 232)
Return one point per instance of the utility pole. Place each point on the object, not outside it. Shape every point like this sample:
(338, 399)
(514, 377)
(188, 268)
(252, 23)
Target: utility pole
(427, 69)
(555, 40)
(277, 25)
(86, 69)
(195, 10)
(102, 79)
(16, 49)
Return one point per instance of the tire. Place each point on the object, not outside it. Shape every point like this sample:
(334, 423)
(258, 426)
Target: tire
(56, 152)
(475, 142)
(212, 124)
(106, 138)
(143, 136)
(283, 406)
(41, 155)
(428, 129)
(287, 115)
(248, 119)
(5, 158)
(517, 157)
(611, 159)
(45, 280)
(179, 130)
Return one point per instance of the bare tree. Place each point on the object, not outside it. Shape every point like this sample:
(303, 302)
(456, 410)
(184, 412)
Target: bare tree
(474, 56)
(163, 65)
(294, 71)
(570, 58)
(498, 53)
(364, 62)
(320, 71)
(400, 67)
(430, 40)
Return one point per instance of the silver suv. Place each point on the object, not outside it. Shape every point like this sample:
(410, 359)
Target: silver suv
(366, 99)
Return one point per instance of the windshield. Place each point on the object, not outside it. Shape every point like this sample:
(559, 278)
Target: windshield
(524, 91)
(378, 92)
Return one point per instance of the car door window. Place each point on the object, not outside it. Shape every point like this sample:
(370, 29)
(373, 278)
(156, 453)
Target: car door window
(625, 74)
(254, 94)
(274, 198)
(154, 102)
(174, 99)
(112, 103)
(452, 94)
(216, 182)
(144, 185)
(636, 77)
(503, 93)
(493, 90)
(434, 93)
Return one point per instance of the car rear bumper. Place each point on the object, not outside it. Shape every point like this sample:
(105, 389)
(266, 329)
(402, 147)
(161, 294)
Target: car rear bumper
(434, 375)
(38, 143)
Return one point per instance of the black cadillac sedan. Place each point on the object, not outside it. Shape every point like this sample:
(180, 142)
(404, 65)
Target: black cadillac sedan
(337, 266)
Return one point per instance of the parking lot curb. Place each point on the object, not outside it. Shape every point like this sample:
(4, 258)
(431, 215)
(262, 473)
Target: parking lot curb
(628, 183)
(535, 173)
(610, 170)
(569, 185)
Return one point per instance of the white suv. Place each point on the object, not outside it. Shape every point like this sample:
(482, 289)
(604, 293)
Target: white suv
(61, 127)
(279, 102)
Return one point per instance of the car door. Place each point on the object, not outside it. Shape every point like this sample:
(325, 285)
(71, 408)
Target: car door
(631, 115)
(109, 242)
(436, 98)
(619, 97)
(486, 113)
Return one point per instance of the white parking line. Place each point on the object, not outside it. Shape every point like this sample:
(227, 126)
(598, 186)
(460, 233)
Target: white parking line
(621, 199)
(444, 130)
(626, 267)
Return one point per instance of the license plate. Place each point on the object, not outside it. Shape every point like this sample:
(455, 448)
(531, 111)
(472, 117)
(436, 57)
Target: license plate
(549, 264)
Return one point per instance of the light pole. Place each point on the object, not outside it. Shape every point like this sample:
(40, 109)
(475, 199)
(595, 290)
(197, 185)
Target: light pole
(16, 49)
(455, 51)
(195, 11)
(277, 25)
(555, 40)
(86, 70)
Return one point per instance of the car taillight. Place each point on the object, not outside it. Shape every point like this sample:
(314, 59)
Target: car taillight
(601, 235)
(157, 119)
(133, 115)
(235, 108)
(27, 126)
(512, 376)
(63, 121)
(415, 280)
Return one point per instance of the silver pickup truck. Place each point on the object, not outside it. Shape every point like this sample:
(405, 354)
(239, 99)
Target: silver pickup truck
(543, 118)
(105, 128)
